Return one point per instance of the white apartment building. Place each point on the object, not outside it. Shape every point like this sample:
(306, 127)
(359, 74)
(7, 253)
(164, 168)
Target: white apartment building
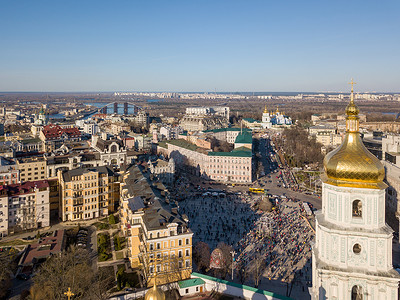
(24, 206)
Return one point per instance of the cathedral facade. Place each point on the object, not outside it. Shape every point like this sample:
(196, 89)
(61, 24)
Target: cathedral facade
(352, 254)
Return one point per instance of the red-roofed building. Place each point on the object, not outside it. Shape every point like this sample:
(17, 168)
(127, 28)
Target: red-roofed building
(35, 254)
(24, 206)
(54, 136)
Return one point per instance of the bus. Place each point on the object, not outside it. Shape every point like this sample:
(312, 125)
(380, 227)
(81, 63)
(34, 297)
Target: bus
(257, 191)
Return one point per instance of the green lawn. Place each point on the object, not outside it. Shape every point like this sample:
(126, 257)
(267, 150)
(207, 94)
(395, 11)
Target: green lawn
(101, 226)
(104, 247)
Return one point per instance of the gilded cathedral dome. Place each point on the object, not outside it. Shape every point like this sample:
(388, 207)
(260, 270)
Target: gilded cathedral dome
(351, 164)
(155, 293)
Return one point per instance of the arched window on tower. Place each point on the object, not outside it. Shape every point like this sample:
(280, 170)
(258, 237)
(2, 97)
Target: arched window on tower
(357, 208)
(356, 293)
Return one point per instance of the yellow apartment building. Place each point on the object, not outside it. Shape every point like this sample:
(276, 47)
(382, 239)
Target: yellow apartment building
(32, 168)
(88, 193)
(158, 239)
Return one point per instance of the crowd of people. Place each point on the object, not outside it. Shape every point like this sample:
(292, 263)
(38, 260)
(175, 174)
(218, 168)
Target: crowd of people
(282, 237)
(216, 219)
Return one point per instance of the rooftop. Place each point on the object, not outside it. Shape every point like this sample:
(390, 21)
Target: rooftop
(44, 248)
(22, 188)
(67, 175)
(227, 129)
(244, 138)
(238, 152)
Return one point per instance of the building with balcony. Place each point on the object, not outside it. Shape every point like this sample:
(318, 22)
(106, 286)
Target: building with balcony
(87, 193)
(24, 206)
(32, 168)
(158, 239)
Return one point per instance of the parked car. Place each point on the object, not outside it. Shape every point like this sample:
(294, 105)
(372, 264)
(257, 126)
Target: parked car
(23, 276)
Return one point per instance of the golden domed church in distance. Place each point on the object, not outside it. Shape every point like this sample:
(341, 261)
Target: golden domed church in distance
(352, 254)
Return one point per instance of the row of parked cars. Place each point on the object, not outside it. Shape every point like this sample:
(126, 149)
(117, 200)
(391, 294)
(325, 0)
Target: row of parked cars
(82, 238)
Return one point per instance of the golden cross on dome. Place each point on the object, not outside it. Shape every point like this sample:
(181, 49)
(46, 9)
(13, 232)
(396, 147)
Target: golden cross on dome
(69, 294)
(352, 83)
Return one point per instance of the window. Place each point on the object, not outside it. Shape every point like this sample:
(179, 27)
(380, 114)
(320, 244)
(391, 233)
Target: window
(158, 245)
(357, 248)
(152, 246)
(187, 241)
(356, 293)
(158, 268)
(180, 242)
(357, 208)
(187, 264)
(187, 291)
(187, 252)
(151, 269)
(180, 264)
(180, 253)
(158, 255)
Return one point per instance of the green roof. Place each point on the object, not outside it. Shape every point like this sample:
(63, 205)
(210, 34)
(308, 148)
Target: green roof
(250, 120)
(184, 144)
(241, 286)
(190, 282)
(31, 141)
(162, 145)
(226, 129)
(244, 138)
(239, 152)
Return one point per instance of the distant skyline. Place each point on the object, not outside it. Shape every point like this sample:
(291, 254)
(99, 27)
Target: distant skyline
(203, 46)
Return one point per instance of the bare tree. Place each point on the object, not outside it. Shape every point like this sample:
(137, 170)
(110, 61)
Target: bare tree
(258, 268)
(242, 271)
(227, 258)
(6, 264)
(201, 256)
(70, 269)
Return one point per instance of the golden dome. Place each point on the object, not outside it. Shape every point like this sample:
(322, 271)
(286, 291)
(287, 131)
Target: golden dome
(154, 294)
(265, 109)
(351, 164)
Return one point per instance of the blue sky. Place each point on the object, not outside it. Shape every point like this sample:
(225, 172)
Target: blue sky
(199, 45)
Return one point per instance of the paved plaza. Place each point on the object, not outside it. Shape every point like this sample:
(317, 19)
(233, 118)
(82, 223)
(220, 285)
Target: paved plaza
(282, 237)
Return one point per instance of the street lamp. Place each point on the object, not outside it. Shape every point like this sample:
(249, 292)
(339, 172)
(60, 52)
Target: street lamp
(233, 258)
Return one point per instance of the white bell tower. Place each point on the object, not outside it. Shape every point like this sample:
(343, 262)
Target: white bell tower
(352, 254)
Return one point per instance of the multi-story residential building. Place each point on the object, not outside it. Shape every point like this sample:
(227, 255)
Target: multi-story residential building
(391, 149)
(32, 168)
(87, 193)
(142, 142)
(231, 167)
(53, 136)
(119, 127)
(314, 130)
(327, 138)
(142, 117)
(71, 161)
(168, 132)
(163, 170)
(159, 241)
(24, 206)
(9, 173)
(213, 110)
(391, 162)
(90, 127)
(200, 123)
